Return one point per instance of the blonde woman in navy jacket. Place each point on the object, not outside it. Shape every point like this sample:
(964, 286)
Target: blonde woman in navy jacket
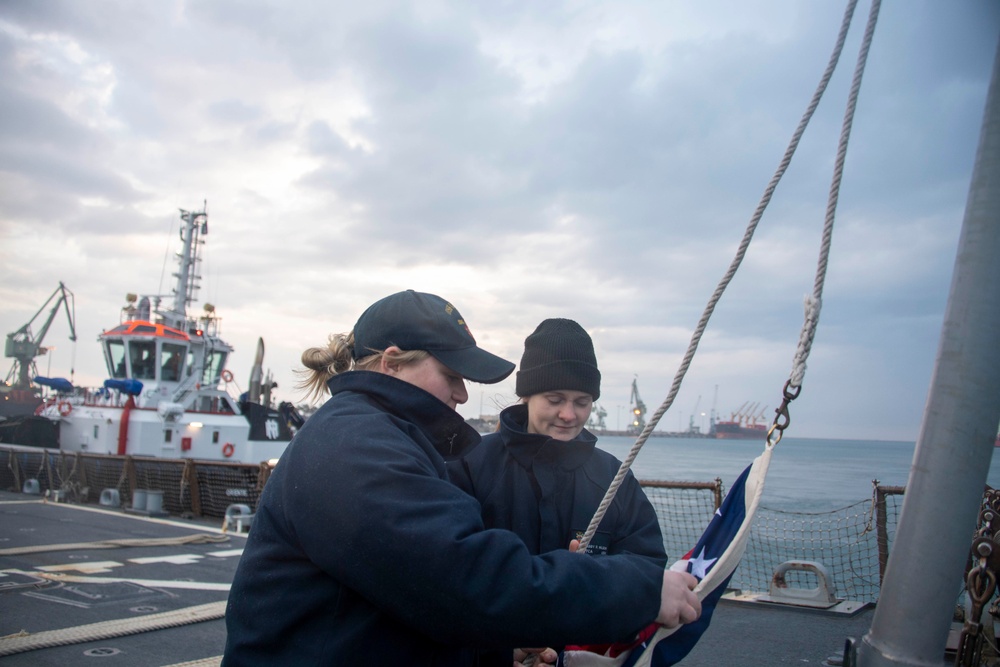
(541, 474)
(361, 550)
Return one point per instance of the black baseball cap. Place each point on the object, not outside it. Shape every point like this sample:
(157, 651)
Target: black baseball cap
(420, 321)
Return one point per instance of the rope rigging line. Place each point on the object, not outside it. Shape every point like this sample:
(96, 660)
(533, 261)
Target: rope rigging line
(813, 302)
(196, 538)
(20, 643)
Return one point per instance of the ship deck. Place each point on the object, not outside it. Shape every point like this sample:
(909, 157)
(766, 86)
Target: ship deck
(49, 597)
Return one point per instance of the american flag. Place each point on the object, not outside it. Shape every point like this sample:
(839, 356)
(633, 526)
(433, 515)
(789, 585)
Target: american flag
(712, 561)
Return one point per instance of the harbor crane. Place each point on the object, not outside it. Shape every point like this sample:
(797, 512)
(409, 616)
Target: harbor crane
(760, 416)
(713, 416)
(596, 420)
(23, 346)
(693, 428)
(638, 409)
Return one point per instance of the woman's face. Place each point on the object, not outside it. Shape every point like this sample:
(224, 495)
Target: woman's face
(560, 414)
(435, 378)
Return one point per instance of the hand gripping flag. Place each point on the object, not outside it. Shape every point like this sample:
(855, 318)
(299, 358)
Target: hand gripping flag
(712, 561)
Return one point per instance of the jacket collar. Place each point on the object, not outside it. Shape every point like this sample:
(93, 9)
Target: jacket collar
(447, 429)
(529, 448)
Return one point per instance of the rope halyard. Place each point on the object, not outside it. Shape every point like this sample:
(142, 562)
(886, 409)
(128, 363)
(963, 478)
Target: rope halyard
(814, 302)
(794, 384)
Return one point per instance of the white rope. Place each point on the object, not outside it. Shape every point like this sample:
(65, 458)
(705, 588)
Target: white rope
(182, 584)
(20, 643)
(196, 538)
(813, 303)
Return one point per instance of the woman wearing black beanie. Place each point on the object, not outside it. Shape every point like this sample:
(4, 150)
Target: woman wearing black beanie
(559, 380)
(541, 474)
(362, 550)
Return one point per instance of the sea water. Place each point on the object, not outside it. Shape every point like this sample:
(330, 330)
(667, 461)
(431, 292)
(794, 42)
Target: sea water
(806, 474)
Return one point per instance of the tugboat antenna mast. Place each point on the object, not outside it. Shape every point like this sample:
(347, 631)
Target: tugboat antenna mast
(188, 277)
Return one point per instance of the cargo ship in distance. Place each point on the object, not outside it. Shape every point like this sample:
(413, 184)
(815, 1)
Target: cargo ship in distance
(747, 423)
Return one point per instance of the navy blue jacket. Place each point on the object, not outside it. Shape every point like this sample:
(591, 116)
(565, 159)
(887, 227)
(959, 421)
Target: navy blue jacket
(362, 551)
(547, 491)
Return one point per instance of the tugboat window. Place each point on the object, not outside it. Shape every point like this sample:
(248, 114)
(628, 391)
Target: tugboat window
(142, 356)
(215, 361)
(173, 359)
(167, 435)
(215, 437)
(116, 358)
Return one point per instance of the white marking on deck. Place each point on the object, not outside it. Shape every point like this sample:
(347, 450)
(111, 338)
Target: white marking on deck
(177, 559)
(226, 554)
(84, 568)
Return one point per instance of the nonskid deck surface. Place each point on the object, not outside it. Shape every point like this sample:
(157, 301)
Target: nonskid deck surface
(124, 587)
(765, 635)
(49, 597)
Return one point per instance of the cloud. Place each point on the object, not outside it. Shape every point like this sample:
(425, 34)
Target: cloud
(525, 161)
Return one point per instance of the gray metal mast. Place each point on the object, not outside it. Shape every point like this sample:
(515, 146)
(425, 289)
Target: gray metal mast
(195, 224)
(955, 444)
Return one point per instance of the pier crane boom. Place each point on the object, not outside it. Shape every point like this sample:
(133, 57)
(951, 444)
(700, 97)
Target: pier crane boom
(693, 428)
(23, 346)
(596, 420)
(713, 417)
(638, 409)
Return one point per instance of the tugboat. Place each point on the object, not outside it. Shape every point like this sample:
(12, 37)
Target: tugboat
(167, 391)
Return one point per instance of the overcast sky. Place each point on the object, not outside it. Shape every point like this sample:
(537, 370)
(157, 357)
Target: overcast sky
(524, 160)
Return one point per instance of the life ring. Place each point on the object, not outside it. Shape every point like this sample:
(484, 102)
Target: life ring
(227, 375)
(65, 408)
(228, 449)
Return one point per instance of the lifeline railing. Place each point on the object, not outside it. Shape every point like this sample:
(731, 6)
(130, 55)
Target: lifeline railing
(852, 542)
(191, 488)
